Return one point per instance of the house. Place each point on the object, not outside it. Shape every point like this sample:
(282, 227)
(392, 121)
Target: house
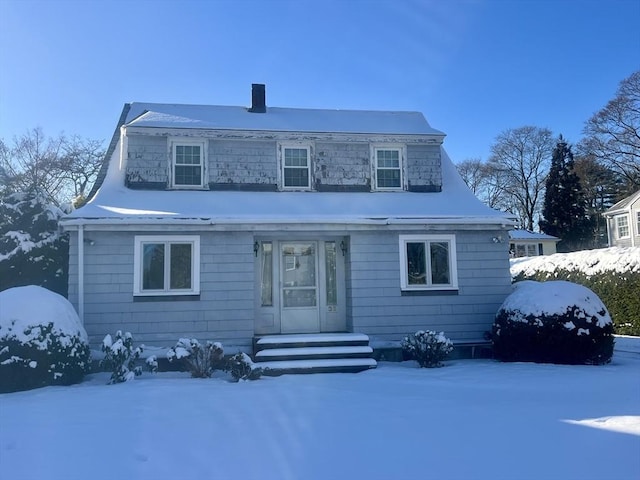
(623, 222)
(524, 243)
(233, 223)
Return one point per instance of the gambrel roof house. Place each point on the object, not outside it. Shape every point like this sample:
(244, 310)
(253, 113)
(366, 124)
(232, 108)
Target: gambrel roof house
(233, 224)
(623, 222)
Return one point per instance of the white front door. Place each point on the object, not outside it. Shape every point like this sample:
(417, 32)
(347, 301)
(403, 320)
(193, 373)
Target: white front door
(299, 287)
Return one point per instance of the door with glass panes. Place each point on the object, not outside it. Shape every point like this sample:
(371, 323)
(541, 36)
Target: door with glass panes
(301, 287)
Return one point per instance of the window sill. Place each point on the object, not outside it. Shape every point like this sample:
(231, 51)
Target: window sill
(429, 293)
(166, 298)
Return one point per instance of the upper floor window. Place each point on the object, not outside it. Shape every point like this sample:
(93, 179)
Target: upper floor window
(296, 167)
(638, 224)
(622, 226)
(187, 164)
(428, 262)
(388, 168)
(166, 265)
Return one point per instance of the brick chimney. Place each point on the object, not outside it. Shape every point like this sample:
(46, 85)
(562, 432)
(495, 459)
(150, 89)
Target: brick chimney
(258, 98)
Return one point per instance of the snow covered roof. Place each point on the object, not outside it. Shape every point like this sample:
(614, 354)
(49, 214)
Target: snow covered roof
(624, 204)
(160, 115)
(116, 204)
(528, 235)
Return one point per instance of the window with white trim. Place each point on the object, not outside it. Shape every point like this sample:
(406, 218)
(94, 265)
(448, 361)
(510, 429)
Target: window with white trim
(526, 250)
(388, 168)
(188, 163)
(622, 226)
(428, 262)
(638, 224)
(166, 265)
(296, 167)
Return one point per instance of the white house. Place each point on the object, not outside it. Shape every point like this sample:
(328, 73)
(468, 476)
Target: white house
(623, 222)
(524, 243)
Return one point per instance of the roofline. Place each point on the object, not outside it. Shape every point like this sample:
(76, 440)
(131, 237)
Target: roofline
(102, 173)
(247, 223)
(627, 208)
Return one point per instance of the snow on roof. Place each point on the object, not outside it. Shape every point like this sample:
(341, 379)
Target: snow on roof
(456, 204)
(528, 235)
(623, 204)
(159, 115)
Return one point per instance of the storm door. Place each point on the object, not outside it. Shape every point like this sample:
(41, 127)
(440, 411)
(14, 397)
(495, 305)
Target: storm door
(299, 312)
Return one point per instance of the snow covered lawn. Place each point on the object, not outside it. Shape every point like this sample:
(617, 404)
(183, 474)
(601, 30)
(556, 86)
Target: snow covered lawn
(473, 419)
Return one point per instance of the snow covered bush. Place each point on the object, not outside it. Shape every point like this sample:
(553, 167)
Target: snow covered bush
(242, 367)
(553, 322)
(428, 348)
(613, 274)
(200, 360)
(120, 357)
(32, 250)
(42, 341)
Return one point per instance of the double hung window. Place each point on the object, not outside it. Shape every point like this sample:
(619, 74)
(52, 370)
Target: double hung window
(167, 265)
(428, 262)
(622, 226)
(187, 164)
(388, 168)
(296, 167)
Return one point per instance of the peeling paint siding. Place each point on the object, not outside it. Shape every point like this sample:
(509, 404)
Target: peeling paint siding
(342, 164)
(424, 165)
(147, 160)
(243, 162)
(379, 309)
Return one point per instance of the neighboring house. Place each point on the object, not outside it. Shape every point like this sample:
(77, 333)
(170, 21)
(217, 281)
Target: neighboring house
(524, 243)
(623, 222)
(229, 223)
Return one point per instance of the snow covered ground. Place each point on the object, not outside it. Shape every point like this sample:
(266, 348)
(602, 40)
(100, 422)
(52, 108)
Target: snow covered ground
(473, 419)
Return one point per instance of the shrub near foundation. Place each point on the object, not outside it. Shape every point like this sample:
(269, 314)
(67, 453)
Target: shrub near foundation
(42, 341)
(553, 322)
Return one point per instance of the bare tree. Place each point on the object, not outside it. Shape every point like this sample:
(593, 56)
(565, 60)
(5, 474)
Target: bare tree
(61, 168)
(613, 133)
(484, 181)
(521, 159)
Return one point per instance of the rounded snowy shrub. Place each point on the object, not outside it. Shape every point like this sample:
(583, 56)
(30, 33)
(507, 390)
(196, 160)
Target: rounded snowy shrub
(42, 341)
(553, 322)
(428, 348)
(120, 357)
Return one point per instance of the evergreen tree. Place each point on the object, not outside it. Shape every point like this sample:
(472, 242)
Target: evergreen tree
(564, 209)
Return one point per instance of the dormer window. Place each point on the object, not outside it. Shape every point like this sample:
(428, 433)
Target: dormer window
(388, 167)
(188, 164)
(296, 167)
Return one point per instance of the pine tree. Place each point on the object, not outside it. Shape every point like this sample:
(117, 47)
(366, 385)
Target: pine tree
(564, 208)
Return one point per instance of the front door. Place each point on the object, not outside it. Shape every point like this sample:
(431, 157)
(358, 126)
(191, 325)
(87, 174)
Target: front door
(299, 287)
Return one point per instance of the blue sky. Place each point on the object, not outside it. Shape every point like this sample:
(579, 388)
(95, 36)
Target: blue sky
(473, 67)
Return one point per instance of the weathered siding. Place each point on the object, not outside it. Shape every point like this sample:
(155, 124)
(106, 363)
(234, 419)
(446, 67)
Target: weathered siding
(243, 162)
(224, 311)
(424, 167)
(147, 162)
(342, 164)
(379, 309)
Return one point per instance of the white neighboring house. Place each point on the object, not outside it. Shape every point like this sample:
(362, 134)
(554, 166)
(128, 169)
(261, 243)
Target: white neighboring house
(623, 222)
(524, 243)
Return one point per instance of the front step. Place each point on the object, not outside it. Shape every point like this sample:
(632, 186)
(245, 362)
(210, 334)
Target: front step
(314, 353)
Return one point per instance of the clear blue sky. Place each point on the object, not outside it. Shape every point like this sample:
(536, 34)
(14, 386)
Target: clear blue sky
(474, 68)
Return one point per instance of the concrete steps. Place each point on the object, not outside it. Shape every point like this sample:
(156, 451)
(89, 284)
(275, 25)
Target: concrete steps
(314, 353)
